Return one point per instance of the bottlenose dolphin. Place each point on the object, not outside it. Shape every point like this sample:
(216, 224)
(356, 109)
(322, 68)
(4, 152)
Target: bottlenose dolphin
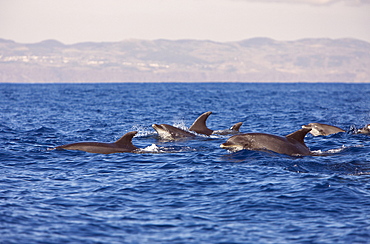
(292, 144)
(169, 132)
(322, 129)
(124, 144)
(365, 130)
(233, 130)
(199, 126)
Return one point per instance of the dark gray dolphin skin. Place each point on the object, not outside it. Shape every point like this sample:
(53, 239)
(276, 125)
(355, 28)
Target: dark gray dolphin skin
(233, 130)
(365, 130)
(292, 144)
(199, 126)
(124, 144)
(169, 132)
(319, 129)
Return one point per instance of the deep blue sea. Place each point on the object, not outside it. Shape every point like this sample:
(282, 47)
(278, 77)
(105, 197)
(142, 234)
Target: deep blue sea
(188, 191)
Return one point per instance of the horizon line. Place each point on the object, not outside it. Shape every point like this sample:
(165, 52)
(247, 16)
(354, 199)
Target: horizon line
(184, 39)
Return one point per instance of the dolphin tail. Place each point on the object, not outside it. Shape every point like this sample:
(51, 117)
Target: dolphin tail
(299, 135)
(200, 126)
(126, 140)
(236, 127)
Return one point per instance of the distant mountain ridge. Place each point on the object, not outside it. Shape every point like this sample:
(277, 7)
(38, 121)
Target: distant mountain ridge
(251, 60)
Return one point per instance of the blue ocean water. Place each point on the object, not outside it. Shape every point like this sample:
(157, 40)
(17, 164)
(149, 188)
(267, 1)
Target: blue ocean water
(188, 191)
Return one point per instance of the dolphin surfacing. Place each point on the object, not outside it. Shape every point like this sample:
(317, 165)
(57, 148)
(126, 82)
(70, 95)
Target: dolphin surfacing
(319, 129)
(124, 144)
(199, 126)
(169, 132)
(292, 144)
(365, 130)
(233, 130)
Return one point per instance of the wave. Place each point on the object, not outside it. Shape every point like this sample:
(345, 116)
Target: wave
(343, 148)
(168, 149)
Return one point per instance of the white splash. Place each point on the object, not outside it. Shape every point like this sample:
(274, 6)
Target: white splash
(334, 150)
(152, 148)
(181, 125)
(142, 131)
(337, 150)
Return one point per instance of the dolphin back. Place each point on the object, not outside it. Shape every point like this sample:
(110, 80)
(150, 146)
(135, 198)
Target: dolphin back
(169, 132)
(126, 141)
(199, 126)
(319, 129)
(299, 135)
(236, 126)
(365, 130)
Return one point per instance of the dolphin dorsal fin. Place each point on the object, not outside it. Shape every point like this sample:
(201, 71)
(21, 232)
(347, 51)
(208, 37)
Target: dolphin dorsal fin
(299, 135)
(236, 127)
(199, 125)
(126, 140)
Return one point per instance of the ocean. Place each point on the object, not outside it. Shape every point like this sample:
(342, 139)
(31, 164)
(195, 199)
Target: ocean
(186, 191)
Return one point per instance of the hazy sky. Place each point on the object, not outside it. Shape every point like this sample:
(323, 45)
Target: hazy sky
(72, 21)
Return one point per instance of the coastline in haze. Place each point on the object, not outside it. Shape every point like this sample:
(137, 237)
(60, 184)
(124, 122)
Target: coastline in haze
(250, 60)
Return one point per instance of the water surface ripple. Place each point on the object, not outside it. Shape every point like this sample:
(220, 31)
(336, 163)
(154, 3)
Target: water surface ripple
(189, 191)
